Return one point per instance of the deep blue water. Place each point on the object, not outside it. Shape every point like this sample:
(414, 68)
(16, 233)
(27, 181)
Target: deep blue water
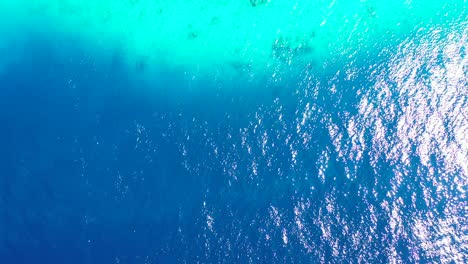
(98, 167)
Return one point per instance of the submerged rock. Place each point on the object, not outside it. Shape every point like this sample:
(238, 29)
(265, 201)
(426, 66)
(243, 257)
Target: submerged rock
(258, 2)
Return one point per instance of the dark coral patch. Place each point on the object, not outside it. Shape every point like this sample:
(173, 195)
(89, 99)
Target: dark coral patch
(255, 3)
(371, 12)
(140, 65)
(285, 48)
(192, 35)
(214, 20)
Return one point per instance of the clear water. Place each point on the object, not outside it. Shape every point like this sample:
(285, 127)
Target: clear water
(233, 132)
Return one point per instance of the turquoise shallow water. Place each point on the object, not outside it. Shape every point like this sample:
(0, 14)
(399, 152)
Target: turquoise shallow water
(233, 132)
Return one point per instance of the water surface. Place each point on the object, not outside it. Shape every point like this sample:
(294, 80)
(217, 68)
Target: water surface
(233, 132)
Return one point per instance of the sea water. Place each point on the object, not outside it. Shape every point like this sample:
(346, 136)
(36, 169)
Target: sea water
(229, 131)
